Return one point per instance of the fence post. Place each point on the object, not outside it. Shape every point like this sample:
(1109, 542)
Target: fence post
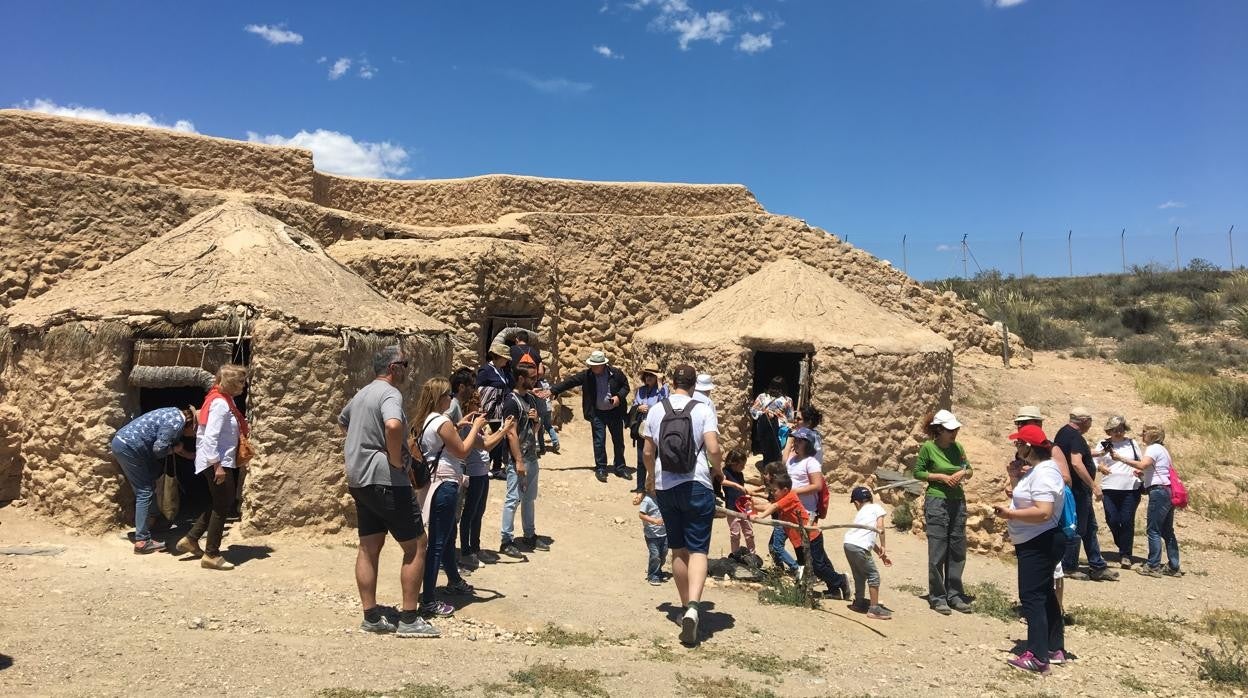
(964, 274)
(1122, 242)
(1177, 265)
(905, 262)
(1021, 274)
(1230, 241)
(1070, 253)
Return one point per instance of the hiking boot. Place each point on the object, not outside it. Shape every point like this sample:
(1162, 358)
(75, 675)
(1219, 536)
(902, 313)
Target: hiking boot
(960, 606)
(1103, 574)
(1058, 657)
(417, 628)
(214, 563)
(860, 606)
(460, 588)
(942, 608)
(536, 543)
(189, 546)
(601, 474)
(1149, 571)
(488, 557)
(1125, 563)
(145, 547)
(553, 448)
(1172, 571)
(509, 549)
(655, 582)
(1028, 662)
(689, 627)
(469, 562)
(1078, 576)
(879, 613)
(436, 609)
(622, 471)
(381, 626)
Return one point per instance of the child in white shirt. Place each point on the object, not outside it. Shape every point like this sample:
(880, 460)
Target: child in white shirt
(859, 543)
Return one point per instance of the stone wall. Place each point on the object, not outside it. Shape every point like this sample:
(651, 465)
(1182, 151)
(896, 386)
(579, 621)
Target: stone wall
(461, 282)
(488, 198)
(299, 384)
(69, 403)
(153, 155)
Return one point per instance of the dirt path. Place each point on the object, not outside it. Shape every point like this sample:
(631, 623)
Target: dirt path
(97, 620)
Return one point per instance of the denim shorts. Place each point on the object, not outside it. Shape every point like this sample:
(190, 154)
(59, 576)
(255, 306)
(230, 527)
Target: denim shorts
(382, 509)
(688, 510)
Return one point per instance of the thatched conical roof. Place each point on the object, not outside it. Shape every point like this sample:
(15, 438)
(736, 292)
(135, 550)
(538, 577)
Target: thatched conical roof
(228, 256)
(791, 304)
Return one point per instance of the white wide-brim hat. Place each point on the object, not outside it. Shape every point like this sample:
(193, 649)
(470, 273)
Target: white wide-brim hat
(704, 383)
(597, 358)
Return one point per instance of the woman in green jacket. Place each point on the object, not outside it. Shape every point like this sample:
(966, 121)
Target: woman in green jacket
(942, 464)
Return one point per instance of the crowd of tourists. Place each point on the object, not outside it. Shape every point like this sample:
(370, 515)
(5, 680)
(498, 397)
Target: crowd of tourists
(426, 484)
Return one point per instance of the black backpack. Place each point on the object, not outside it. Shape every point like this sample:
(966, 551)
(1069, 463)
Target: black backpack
(677, 451)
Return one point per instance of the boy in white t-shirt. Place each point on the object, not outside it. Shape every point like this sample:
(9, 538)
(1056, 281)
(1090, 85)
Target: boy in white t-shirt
(859, 542)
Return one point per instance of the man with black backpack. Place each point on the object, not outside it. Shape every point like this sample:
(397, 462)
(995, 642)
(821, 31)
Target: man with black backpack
(520, 405)
(683, 463)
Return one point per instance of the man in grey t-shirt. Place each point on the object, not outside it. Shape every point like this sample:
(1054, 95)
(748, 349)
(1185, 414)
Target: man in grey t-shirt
(377, 464)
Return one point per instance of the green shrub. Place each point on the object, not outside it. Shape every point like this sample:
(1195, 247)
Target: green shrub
(903, 515)
(1140, 320)
(1143, 349)
(1240, 315)
(1226, 665)
(1235, 288)
(1205, 309)
(1207, 405)
(991, 600)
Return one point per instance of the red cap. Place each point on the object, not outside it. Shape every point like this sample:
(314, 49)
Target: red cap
(1032, 435)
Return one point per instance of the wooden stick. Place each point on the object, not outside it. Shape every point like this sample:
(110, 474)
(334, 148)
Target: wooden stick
(786, 524)
(902, 483)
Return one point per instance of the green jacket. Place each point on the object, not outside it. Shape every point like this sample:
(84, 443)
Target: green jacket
(933, 459)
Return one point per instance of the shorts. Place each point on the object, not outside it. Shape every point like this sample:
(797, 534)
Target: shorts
(385, 509)
(688, 510)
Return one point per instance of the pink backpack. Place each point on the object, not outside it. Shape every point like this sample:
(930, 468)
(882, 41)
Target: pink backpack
(1178, 492)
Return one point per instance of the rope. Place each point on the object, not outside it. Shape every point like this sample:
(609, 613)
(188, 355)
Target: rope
(772, 522)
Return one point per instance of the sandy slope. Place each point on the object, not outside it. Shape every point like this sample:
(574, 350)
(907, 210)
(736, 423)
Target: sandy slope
(99, 620)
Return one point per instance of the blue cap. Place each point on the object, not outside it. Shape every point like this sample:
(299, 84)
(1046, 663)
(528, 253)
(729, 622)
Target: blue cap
(806, 434)
(860, 494)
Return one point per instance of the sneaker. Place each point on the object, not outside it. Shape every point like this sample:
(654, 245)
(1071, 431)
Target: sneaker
(622, 471)
(799, 573)
(381, 626)
(689, 627)
(460, 588)
(536, 543)
(417, 628)
(214, 563)
(942, 608)
(1125, 563)
(655, 582)
(1103, 574)
(1058, 657)
(189, 546)
(862, 607)
(434, 609)
(469, 561)
(835, 593)
(489, 557)
(961, 606)
(879, 613)
(1172, 571)
(601, 474)
(498, 474)
(145, 547)
(509, 549)
(1078, 576)
(1028, 662)
(1149, 571)
(553, 448)
(846, 593)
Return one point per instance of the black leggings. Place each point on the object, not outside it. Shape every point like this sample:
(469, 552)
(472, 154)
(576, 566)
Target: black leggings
(821, 565)
(213, 519)
(1037, 559)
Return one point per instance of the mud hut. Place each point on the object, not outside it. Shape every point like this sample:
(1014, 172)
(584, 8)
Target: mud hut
(873, 374)
(131, 336)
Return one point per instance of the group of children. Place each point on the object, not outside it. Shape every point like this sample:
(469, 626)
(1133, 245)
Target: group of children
(784, 504)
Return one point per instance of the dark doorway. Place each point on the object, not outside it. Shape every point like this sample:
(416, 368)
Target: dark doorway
(789, 366)
(194, 490)
(497, 323)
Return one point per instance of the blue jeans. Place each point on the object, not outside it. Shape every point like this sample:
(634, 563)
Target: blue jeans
(658, 553)
(600, 423)
(441, 551)
(474, 510)
(1086, 526)
(778, 553)
(141, 470)
(547, 429)
(1120, 506)
(1161, 527)
(524, 499)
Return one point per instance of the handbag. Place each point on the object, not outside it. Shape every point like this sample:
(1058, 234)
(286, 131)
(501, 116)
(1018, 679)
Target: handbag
(1178, 491)
(245, 450)
(167, 495)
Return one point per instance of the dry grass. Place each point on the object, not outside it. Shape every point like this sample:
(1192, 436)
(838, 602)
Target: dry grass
(1114, 621)
(555, 636)
(722, 687)
(407, 691)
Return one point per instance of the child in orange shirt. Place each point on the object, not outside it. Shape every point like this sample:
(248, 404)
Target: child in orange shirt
(787, 507)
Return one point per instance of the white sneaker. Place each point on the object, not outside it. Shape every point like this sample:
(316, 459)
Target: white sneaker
(689, 627)
(801, 571)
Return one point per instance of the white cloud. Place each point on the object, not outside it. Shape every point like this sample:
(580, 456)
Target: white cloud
(366, 71)
(755, 16)
(339, 68)
(274, 35)
(754, 43)
(1007, 3)
(1172, 204)
(339, 153)
(945, 248)
(552, 85)
(134, 119)
(606, 52)
(712, 26)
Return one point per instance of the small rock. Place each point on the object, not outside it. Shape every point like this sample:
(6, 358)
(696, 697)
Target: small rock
(195, 623)
(618, 520)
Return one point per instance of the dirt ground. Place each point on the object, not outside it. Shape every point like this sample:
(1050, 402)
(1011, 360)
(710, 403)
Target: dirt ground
(98, 620)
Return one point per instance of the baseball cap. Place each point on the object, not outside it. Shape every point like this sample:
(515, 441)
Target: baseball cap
(1080, 413)
(1032, 435)
(684, 374)
(946, 419)
(1026, 413)
(860, 494)
(806, 434)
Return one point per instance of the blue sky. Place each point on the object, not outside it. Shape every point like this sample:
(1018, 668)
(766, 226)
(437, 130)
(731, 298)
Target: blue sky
(930, 119)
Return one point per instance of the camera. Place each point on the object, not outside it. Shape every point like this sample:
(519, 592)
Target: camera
(1106, 445)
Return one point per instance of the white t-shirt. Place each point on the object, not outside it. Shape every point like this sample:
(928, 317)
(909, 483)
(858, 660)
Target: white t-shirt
(868, 515)
(1121, 476)
(1159, 472)
(1043, 483)
(800, 472)
(705, 398)
(704, 422)
(449, 467)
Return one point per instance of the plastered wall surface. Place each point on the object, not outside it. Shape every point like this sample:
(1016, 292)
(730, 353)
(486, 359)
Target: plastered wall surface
(153, 155)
